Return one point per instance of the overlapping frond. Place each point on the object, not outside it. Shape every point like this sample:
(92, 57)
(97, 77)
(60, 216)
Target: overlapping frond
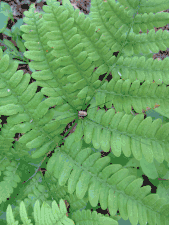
(111, 185)
(19, 100)
(42, 215)
(65, 47)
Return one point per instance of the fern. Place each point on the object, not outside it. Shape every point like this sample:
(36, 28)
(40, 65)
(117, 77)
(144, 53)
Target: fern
(68, 53)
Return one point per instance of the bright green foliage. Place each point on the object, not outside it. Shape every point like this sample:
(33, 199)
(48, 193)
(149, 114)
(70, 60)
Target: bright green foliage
(64, 49)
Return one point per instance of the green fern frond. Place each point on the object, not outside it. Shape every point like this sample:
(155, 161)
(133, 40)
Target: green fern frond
(42, 215)
(69, 52)
(90, 173)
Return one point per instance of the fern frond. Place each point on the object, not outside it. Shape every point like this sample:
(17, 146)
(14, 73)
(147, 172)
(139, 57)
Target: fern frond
(43, 215)
(87, 172)
(89, 216)
(127, 133)
(125, 94)
(65, 49)
(10, 180)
